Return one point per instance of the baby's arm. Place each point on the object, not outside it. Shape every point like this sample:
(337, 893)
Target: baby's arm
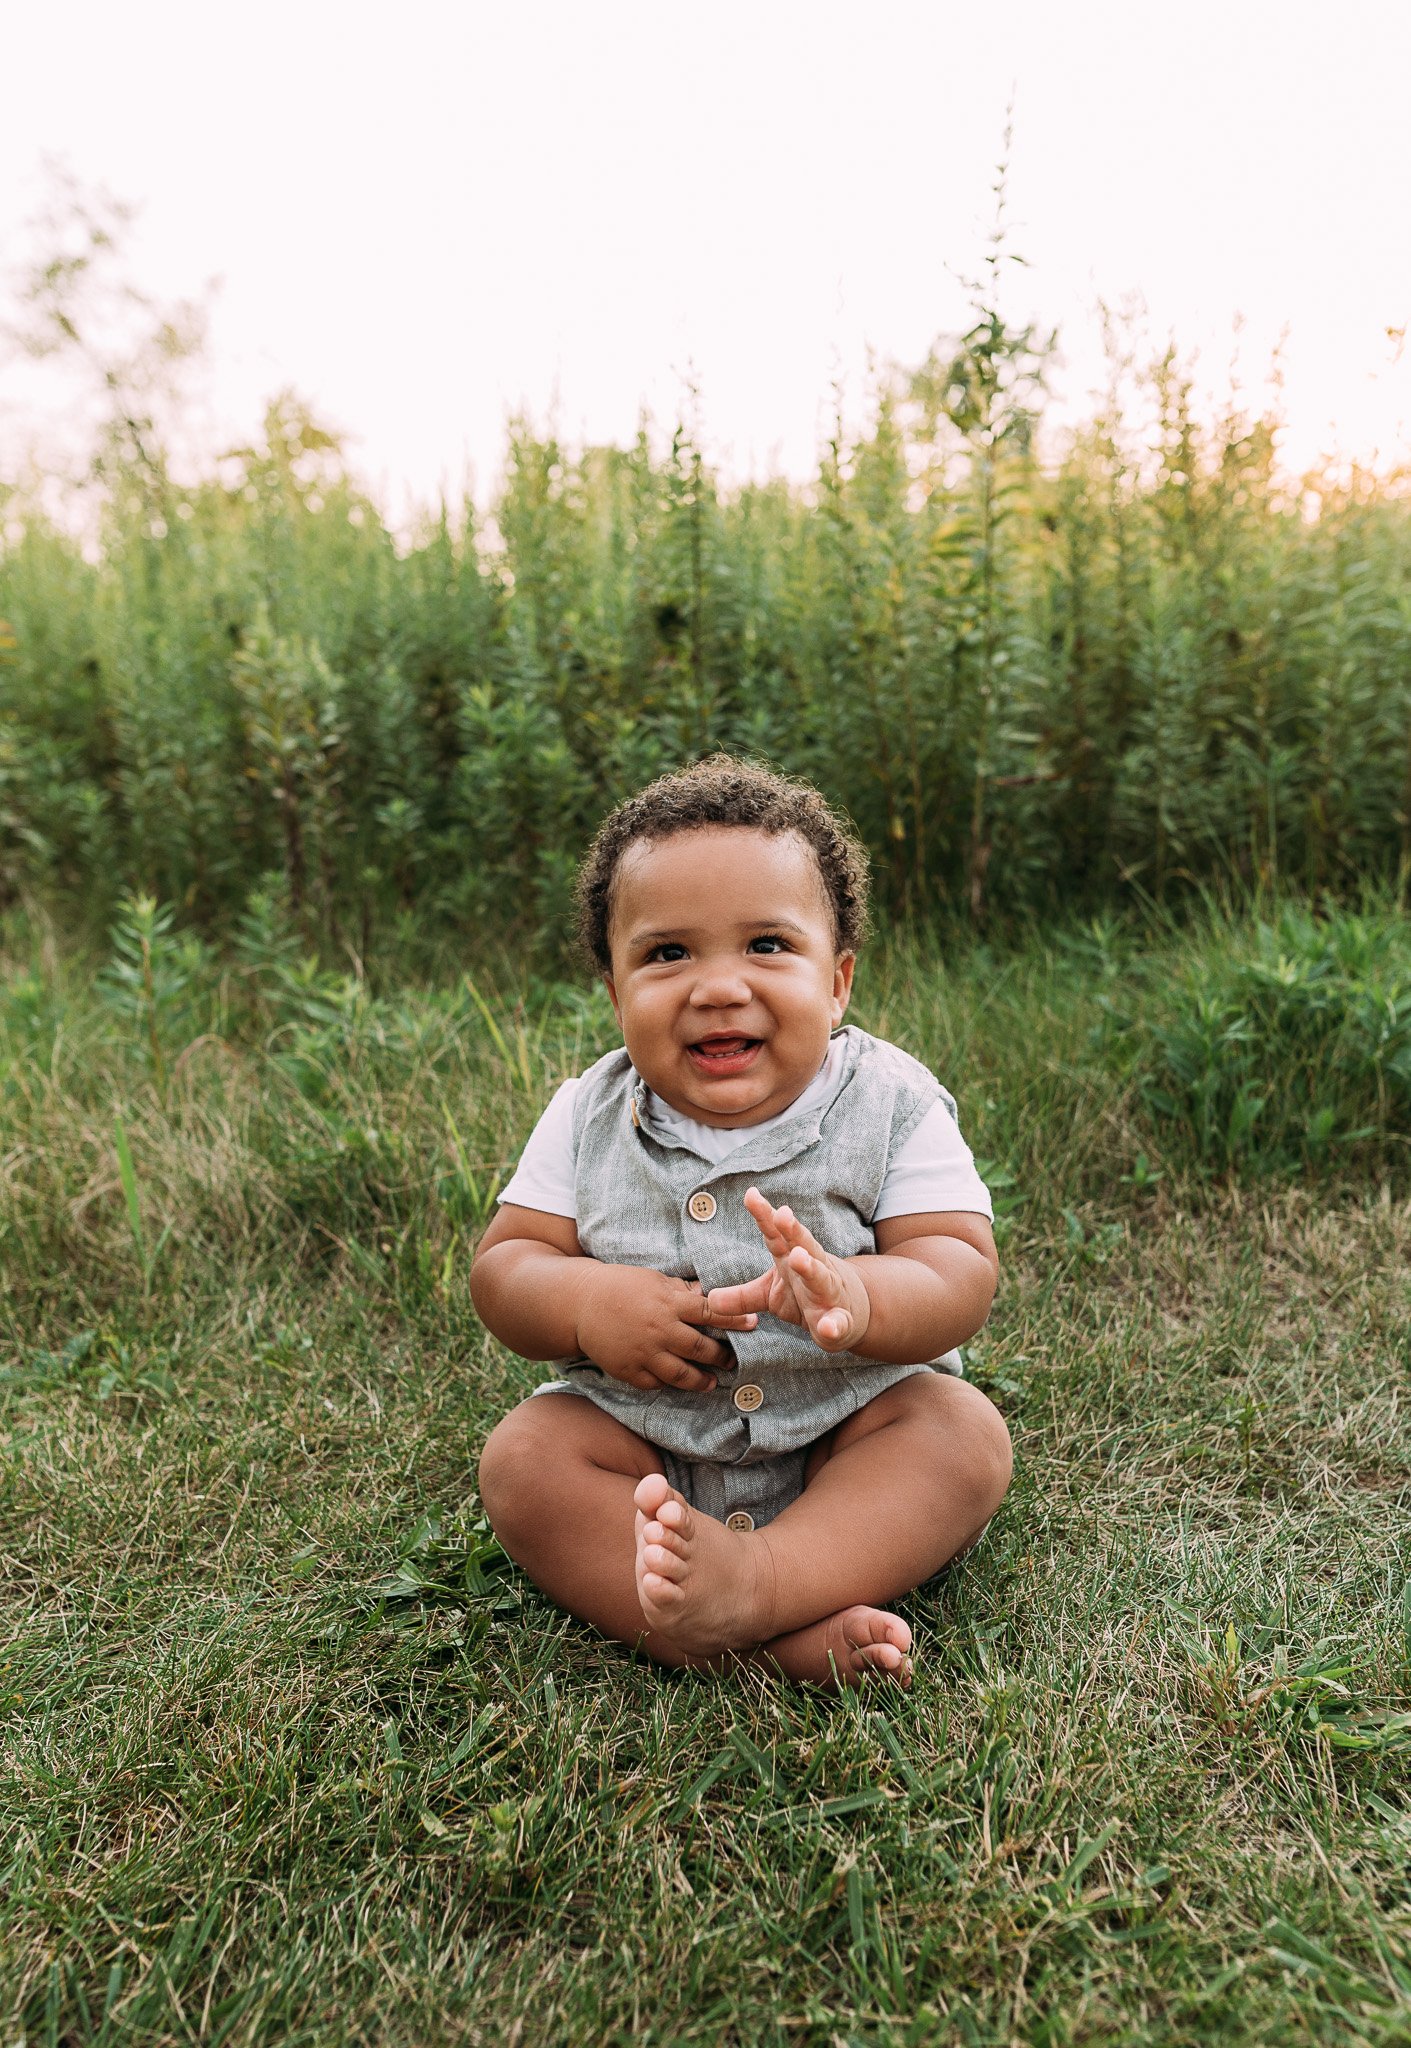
(537, 1291)
(927, 1288)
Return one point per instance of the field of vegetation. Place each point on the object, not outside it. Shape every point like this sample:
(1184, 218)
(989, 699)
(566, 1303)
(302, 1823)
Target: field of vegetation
(1042, 670)
(289, 805)
(289, 1752)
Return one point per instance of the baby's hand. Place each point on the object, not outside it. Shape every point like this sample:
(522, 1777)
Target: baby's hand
(649, 1329)
(804, 1285)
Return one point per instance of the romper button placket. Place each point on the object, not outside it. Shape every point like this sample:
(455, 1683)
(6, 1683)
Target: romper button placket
(748, 1397)
(740, 1522)
(701, 1206)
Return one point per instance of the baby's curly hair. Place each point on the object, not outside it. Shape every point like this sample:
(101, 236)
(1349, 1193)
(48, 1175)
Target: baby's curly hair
(724, 791)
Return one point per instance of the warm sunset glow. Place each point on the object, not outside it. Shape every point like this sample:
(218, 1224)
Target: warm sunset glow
(426, 220)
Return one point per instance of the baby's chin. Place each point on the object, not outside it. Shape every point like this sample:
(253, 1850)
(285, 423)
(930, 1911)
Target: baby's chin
(726, 1106)
(741, 1121)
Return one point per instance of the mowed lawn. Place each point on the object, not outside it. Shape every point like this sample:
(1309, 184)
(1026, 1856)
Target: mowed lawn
(289, 1755)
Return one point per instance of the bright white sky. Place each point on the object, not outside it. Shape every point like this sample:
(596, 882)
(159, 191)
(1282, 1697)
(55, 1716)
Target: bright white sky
(425, 215)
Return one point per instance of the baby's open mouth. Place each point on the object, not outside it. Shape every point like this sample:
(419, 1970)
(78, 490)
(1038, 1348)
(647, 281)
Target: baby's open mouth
(724, 1052)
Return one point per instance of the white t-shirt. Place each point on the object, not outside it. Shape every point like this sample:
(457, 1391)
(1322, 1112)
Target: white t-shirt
(932, 1172)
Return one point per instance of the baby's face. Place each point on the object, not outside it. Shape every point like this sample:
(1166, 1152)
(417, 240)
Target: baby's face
(724, 976)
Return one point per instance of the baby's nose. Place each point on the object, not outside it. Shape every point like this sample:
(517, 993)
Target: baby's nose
(719, 988)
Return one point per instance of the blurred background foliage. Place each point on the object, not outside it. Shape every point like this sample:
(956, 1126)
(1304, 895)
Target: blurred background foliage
(1043, 670)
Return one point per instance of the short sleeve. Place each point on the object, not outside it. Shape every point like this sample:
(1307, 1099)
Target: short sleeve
(933, 1171)
(544, 1177)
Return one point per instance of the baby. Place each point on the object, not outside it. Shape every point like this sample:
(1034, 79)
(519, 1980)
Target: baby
(740, 1463)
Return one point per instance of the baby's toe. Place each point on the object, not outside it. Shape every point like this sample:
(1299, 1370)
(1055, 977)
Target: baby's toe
(883, 1659)
(663, 1562)
(651, 1493)
(674, 1516)
(657, 1587)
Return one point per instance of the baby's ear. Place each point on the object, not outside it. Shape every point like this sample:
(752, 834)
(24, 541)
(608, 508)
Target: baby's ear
(612, 998)
(842, 985)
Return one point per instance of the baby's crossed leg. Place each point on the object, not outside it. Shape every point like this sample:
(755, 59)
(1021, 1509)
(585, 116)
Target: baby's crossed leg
(890, 1496)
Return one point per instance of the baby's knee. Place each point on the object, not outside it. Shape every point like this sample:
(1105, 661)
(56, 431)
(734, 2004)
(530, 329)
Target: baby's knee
(511, 1475)
(994, 1453)
(969, 1423)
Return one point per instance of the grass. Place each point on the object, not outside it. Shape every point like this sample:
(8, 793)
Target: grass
(289, 1753)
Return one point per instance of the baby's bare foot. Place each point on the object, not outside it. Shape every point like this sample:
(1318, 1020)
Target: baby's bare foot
(845, 1649)
(700, 1584)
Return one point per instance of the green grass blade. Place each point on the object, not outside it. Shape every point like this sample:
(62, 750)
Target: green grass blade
(128, 1178)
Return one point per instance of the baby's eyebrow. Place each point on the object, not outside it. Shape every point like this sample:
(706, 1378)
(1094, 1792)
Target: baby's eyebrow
(755, 926)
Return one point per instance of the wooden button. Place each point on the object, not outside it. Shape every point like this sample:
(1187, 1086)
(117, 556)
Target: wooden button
(702, 1205)
(748, 1397)
(740, 1522)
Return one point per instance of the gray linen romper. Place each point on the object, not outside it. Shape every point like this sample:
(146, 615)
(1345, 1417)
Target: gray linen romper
(644, 1198)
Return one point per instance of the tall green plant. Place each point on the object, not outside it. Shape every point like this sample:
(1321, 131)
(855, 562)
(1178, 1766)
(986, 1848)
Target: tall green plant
(1038, 669)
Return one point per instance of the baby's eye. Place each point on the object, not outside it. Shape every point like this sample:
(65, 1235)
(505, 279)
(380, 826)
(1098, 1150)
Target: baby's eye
(767, 942)
(669, 952)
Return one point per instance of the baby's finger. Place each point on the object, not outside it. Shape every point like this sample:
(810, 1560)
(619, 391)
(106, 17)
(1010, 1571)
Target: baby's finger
(670, 1371)
(697, 1308)
(818, 1276)
(766, 1217)
(796, 1233)
(637, 1376)
(738, 1308)
(692, 1343)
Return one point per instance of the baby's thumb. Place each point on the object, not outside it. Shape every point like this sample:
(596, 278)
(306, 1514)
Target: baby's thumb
(749, 1299)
